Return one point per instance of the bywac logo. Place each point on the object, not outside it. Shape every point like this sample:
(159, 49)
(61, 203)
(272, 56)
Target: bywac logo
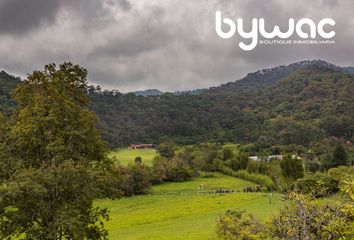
(258, 27)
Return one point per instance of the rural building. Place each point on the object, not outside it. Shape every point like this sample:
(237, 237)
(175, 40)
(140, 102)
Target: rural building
(142, 146)
(270, 158)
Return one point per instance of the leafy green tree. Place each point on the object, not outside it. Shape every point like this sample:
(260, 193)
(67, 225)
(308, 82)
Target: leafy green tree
(8, 164)
(238, 226)
(158, 170)
(7, 84)
(51, 202)
(235, 164)
(140, 178)
(243, 160)
(252, 167)
(52, 121)
(292, 167)
(312, 166)
(318, 185)
(138, 160)
(228, 153)
(166, 149)
(177, 170)
(53, 135)
(340, 157)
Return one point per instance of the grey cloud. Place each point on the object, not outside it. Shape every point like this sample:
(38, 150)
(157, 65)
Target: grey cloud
(18, 16)
(165, 44)
(125, 4)
(22, 16)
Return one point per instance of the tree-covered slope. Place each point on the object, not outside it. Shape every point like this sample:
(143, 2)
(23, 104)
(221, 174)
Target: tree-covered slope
(7, 84)
(313, 102)
(299, 103)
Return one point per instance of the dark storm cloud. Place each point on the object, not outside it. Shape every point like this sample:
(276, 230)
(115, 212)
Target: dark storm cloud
(17, 16)
(21, 16)
(165, 44)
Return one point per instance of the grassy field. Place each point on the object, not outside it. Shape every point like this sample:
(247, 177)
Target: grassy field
(126, 156)
(180, 211)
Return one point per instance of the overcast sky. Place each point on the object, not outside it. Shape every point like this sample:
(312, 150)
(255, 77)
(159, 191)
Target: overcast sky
(165, 44)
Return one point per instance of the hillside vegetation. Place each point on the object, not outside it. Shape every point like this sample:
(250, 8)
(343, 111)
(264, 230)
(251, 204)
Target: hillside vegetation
(300, 104)
(294, 136)
(7, 85)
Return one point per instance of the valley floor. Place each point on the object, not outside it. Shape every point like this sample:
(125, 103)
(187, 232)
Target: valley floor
(187, 210)
(126, 156)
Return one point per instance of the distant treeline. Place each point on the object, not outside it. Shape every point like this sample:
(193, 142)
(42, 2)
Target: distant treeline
(308, 105)
(299, 107)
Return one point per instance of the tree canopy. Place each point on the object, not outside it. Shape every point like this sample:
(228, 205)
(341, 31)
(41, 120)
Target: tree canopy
(52, 122)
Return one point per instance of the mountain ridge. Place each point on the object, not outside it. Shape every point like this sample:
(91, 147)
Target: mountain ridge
(257, 79)
(300, 104)
(269, 76)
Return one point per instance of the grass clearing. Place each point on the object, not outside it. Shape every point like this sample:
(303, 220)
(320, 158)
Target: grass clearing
(177, 211)
(218, 181)
(126, 156)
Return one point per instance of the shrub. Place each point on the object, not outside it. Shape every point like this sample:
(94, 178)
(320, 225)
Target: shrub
(237, 225)
(318, 184)
(324, 184)
(260, 179)
(256, 178)
(302, 218)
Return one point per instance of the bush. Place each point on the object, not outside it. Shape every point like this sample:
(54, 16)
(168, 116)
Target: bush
(256, 178)
(292, 167)
(318, 184)
(253, 167)
(228, 153)
(174, 170)
(178, 171)
(302, 218)
(237, 225)
(260, 179)
(324, 184)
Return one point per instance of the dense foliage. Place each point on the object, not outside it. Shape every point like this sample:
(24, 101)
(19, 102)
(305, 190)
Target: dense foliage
(299, 104)
(302, 218)
(51, 202)
(324, 184)
(52, 122)
(304, 107)
(49, 149)
(7, 84)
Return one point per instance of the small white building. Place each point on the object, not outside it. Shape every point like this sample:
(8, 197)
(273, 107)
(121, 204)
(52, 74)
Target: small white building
(270, 158)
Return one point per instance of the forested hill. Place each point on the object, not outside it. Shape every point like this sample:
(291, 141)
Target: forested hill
(265, 77)
(7, 84)
(300, 103)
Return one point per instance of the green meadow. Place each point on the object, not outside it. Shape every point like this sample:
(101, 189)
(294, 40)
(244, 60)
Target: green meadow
(126, 156)
(186, 210)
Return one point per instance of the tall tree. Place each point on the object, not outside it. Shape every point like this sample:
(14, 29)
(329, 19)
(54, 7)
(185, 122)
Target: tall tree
(53, 133)
(52, 122)
(340, 157)
(8, 164)
(166, 149)
(52, 203)
(292, 167)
